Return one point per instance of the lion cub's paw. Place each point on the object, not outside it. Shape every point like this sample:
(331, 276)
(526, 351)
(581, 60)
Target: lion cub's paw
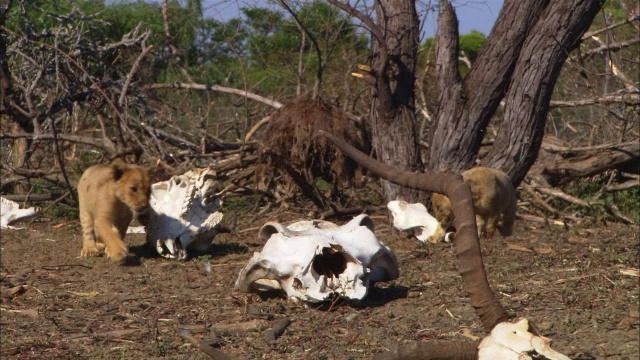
(117, 253)
(89, 251)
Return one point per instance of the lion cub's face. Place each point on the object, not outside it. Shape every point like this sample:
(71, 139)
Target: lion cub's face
(133, 186)
(442, 209)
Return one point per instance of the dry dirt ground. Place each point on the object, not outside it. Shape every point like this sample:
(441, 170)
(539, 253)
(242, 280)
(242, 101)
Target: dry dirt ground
(575, 284)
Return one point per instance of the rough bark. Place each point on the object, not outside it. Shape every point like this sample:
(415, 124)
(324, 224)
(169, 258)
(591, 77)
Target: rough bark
(393, 120)
(544, 52)
(466, 105)
(566, 170)
(523, 56)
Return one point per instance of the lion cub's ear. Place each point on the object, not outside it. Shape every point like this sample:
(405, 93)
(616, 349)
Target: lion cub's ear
(119, 167)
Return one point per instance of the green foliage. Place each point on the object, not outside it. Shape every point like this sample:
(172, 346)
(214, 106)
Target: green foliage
(613, 10)
(472, 43)
(60, 212)
(205, 258)
(122, 17)
(241, 204)
(591, 190)
(275, 44)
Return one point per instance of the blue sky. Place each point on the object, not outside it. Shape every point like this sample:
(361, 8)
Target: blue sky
(472, 14)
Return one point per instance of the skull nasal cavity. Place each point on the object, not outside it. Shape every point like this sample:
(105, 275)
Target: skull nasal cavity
(330, 262)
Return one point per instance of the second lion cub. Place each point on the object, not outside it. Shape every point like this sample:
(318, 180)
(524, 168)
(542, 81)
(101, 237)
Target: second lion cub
(109, 196)
(494, 201)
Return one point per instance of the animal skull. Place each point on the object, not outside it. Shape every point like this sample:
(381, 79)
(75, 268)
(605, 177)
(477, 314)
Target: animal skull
(312, 260)
(185, 213)
(514, 342)
(10, 211)
(415, 217)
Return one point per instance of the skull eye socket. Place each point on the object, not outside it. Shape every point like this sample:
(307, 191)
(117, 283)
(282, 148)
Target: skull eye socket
(330, 262)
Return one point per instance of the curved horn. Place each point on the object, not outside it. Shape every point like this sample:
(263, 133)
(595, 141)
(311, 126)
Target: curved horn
(474, 277)
(431, 350)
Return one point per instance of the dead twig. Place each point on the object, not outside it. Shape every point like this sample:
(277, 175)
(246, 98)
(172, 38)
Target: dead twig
(563, 195)
(59, 267)
(615, 212)
(205, 348)
(278, 329)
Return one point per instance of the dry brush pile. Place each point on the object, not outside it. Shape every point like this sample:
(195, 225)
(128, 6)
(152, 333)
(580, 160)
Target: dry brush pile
(69, 100)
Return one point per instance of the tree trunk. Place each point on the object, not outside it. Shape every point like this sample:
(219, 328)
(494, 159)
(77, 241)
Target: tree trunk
(545, 51)
(466, 105)
(524, 52)
(393, 117)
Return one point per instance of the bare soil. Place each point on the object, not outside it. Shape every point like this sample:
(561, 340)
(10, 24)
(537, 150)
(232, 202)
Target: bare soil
(572, 283)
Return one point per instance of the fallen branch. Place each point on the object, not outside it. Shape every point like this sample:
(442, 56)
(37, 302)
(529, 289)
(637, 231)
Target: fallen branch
(255, 127)
(230, 329)
(193, 86)
(537, 200)
(623, 186)
(278, 329)
(615, 212)
(590, 164)
(626, 99)
(108, 334)
(555, 149)
(103, 144)
(205, 348)
(540, 220)
(563, 195)
(32, 197)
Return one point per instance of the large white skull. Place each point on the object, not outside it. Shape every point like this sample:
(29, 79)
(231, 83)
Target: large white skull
(514, 342)
(312, 260)
(185, 213)
(10, 211)
(415, 217)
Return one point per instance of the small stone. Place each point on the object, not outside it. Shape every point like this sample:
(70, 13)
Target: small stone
(351, 317)
(545, 326)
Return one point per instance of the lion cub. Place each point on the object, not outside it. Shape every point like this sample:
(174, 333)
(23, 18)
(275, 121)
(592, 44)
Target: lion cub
(494, 201)
(109, 197)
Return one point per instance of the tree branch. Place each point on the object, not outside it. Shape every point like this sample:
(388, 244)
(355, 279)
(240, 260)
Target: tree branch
(610, 47)
(554, 149)
(316, 47)
(106, 146)
(626, 99)
(611, 27)
(193, 86)
(134, 67)
(447, 48)
(375, 30)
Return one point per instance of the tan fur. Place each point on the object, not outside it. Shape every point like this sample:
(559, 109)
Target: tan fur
(109, 197)
(494, 201)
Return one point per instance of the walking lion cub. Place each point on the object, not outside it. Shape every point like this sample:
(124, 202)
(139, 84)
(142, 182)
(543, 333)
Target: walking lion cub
(109, 196)
(494, 201)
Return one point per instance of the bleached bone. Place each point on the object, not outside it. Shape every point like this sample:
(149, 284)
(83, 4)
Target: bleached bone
(136, 230)
(312, 260)
(185, 213)
(10, 211)
(510, 341)
(415, 217)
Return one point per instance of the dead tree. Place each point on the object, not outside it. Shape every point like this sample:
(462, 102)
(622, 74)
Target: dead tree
(395, 41)
(522, 59)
